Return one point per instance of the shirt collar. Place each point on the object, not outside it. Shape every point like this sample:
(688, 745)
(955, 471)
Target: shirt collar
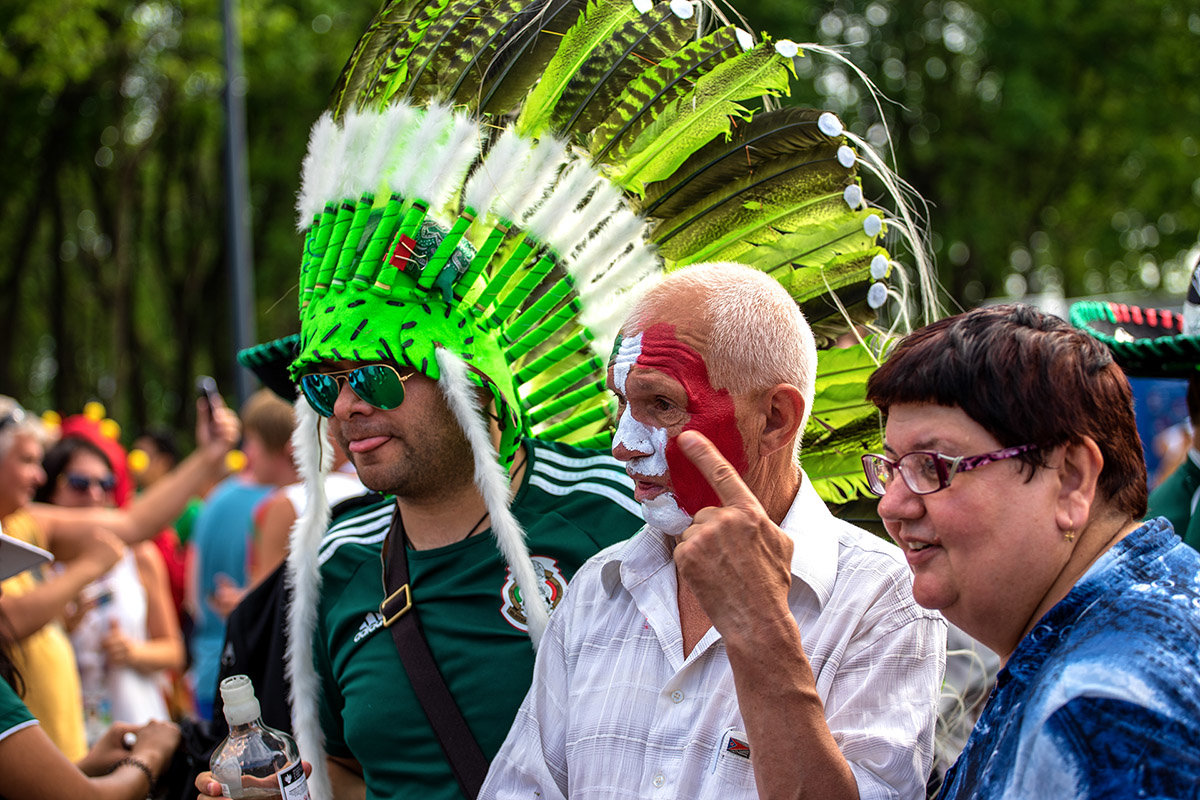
(808, 522)
(813, 530)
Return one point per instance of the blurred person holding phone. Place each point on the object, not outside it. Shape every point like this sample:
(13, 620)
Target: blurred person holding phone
(88, 542)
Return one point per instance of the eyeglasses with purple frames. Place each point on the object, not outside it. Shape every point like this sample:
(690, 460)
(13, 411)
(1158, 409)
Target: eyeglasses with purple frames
(925, 471)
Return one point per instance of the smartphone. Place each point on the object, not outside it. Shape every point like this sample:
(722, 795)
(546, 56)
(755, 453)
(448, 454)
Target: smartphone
(206, 390)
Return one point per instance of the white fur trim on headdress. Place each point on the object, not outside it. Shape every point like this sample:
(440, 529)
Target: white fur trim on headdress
(492, 482)
(314, 458)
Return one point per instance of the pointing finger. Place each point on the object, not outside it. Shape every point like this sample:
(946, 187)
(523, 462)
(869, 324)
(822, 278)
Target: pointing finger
(717, 471)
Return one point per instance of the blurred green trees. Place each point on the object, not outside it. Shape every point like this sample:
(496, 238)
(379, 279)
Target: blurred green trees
(1057, 141)
(112, 263)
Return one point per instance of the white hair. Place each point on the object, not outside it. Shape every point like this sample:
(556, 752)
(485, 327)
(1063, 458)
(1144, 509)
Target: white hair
(22, 423)
(758, 338)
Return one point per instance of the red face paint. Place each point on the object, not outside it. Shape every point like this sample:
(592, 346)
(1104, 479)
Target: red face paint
(710, 411)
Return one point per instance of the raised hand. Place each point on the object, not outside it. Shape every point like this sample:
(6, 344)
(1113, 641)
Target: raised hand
(218, 434)
(736, 561)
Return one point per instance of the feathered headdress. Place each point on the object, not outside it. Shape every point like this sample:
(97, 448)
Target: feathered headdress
(495, 179)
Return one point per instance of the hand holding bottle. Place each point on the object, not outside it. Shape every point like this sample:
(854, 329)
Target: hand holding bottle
(254, 761)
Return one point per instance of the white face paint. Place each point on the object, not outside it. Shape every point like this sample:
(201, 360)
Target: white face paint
(662, 513)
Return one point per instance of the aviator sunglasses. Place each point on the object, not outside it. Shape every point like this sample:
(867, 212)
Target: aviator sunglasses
(378, 384)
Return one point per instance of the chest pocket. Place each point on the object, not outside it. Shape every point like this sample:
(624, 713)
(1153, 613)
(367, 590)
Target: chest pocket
(732, 767)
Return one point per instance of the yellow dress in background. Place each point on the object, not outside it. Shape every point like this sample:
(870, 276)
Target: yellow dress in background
(45, 658)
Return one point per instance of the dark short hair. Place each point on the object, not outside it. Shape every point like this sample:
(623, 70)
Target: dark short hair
(59, 456)
(164, 442)
(1027, 378)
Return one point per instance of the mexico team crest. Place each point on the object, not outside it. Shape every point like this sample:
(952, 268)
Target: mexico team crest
(551, 583)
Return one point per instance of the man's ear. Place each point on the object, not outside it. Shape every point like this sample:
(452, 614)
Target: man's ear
(1078, 477)
(782, 407)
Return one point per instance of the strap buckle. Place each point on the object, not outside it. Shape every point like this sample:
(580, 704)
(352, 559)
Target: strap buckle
(388, 616)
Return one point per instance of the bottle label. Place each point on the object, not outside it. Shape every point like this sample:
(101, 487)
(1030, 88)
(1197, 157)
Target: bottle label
(292, 784)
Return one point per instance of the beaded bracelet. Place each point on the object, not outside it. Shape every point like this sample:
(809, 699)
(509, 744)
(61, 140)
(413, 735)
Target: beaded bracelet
(130, 761)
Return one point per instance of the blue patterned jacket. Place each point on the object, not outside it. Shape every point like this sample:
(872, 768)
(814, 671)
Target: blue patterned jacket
(1102, 698)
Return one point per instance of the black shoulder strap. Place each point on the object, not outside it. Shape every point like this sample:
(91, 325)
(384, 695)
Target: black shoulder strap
(400, 617)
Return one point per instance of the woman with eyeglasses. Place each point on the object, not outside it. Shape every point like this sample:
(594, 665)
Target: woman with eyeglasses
(86, 542)
(1013, 479)
(127, 634)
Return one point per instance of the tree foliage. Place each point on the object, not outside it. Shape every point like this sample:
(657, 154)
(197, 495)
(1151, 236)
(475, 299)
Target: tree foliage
(1056, 140)
(113, 276)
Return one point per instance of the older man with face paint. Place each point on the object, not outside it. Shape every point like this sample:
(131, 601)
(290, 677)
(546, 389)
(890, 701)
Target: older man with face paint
(745, 643)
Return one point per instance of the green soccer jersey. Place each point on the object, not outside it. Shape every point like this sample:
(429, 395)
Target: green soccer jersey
(571, 503)
(14, 716)
(1176, 499)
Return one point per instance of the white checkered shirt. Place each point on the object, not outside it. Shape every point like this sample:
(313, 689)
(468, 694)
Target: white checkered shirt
(616, 711)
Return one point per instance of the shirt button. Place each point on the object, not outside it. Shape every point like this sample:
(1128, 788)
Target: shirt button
(676, 696)
(659, 780)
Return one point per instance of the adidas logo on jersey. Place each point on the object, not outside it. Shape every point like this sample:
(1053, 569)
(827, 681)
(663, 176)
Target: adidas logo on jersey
(370, 624)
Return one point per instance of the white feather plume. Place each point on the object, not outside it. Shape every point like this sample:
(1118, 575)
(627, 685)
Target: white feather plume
(374, 157)
(572, 188)
(400, 123)
(573, 229)
(492, 482)
(629, 268)
(314, 457)
(605, 317)
(533, 180)
(356, 177)
(460, 150)
(598, 252)
(496, 169)
(314, 191)
(419, 161)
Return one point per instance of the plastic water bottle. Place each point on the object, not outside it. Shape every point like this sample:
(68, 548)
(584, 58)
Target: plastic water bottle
(255, 760)
(93, 665)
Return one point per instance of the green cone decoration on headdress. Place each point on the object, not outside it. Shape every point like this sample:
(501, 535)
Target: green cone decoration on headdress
(496, 178)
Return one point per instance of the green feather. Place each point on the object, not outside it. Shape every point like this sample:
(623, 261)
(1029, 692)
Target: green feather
(371, 54)
(461, 71)
(392, 76)
(599, 22)
(843, 425)
(770, 136)
(656, 88)
(638, 44)
(760, 202)
(453, 40)
(813, 245)
(693, 120)
(523, 52)
(758, 215)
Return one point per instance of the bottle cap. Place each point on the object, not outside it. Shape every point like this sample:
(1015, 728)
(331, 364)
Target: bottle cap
(241, 706)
